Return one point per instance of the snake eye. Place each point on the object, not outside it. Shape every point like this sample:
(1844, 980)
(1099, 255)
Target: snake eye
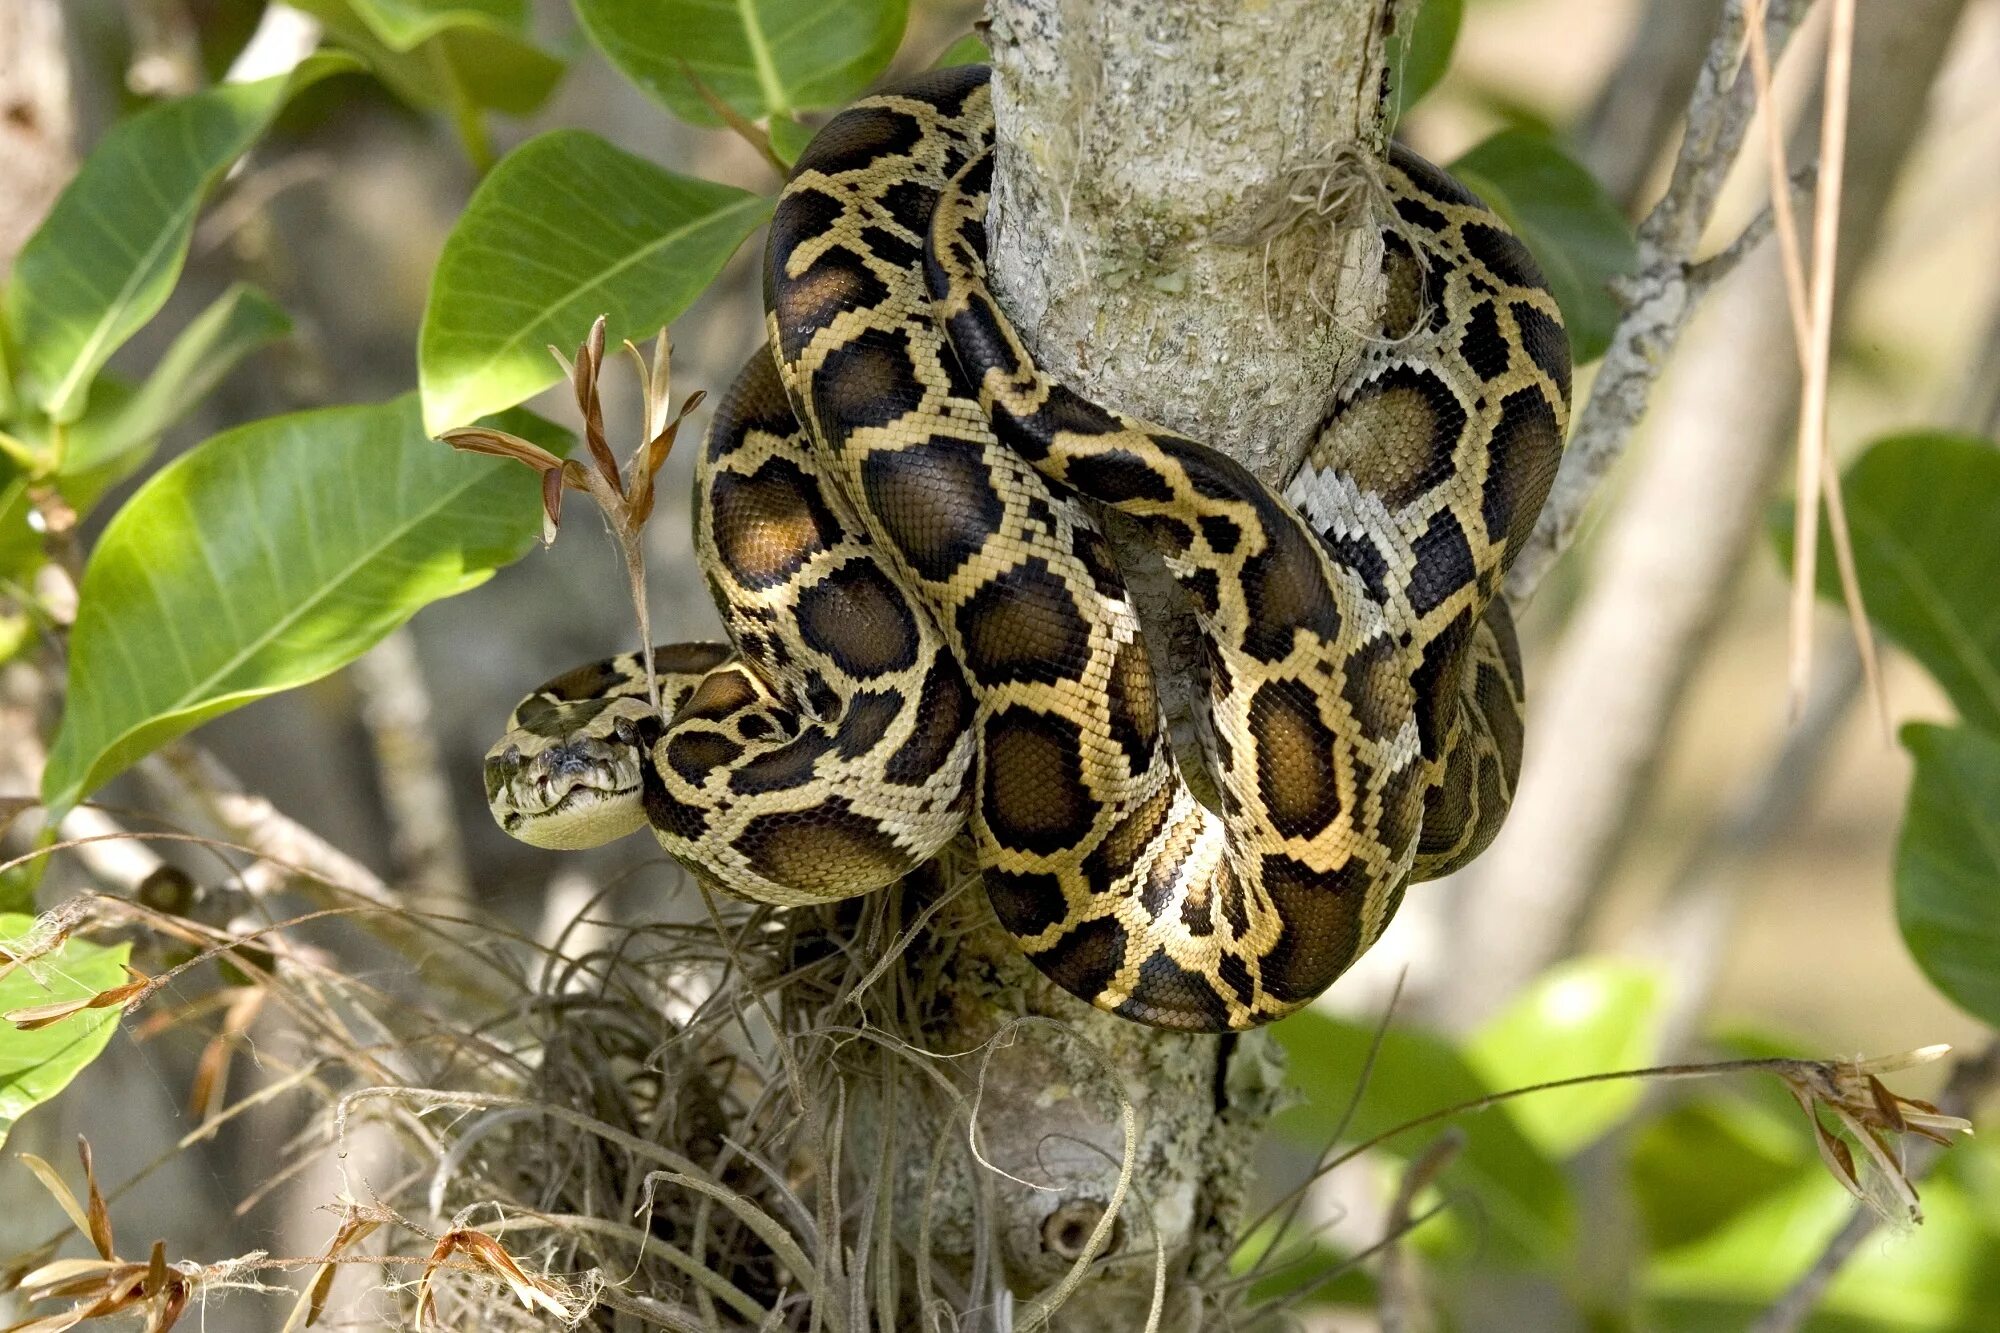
(626, 731)
(511, 755)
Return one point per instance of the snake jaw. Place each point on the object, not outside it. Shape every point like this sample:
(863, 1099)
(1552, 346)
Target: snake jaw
(571, 792)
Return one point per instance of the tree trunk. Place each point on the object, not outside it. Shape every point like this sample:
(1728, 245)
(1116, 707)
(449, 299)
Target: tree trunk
(1160, 238)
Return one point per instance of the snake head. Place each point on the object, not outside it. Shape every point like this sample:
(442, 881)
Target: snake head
(570, 774)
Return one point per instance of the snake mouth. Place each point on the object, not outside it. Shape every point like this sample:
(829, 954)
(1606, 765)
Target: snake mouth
(535, 792)
(572, 810)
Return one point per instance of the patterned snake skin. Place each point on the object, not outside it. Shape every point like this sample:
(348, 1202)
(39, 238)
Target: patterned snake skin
(928, 632)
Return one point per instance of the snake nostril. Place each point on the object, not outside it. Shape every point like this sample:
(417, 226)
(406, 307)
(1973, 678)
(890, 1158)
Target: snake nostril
(565, 760)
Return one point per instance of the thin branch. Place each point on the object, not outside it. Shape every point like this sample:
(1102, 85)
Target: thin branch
(1706, 273)
(1658, 299)
(396, 710)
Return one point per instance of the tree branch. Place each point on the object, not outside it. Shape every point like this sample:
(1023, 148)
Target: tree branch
(1657, 299)
(424, 845)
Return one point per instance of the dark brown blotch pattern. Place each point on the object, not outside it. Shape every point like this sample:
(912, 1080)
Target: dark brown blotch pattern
(936, 502)
(860, 621)
(1034, 797)
(1297, 778)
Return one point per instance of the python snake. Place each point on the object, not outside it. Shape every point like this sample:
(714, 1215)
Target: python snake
(928, 633)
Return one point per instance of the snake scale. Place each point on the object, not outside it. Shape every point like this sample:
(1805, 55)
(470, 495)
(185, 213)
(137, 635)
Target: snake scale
(928, 633)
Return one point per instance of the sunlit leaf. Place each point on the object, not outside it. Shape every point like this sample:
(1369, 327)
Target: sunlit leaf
(763, 57)
(1573, 228)
(267, 557)
(1704, 1161)
(104, 260)
(1948, 865)
(566, 228)
(1590, 1016)
(1419, 58)
(1937, 1278)
(1523, 1204)
(1925, 513)
(36, 1065)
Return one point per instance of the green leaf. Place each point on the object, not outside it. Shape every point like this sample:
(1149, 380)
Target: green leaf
(789, 138)
(566, 228)
(1572, 227)
(266, 558)
(1422, 55)
(1705, 1160)
(968, 50)
(35, 1066)
(114, 439)
(402, 24)
(1948, 865)
(1937, 1277)
(1924, 510)
(1590, 1016)
(1524, 1205)
(20, 544)
(763, 57)
(109, 252)
(444, 55)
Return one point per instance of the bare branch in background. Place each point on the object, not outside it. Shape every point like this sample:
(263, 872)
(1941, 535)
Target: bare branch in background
(1658, 303)
(1690, 932)
(194, 789)
(1668, 559)
(1636, 113)
(424, 846)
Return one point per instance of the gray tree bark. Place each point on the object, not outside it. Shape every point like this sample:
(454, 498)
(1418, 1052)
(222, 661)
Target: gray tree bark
(1170, 196)
(1168, 235)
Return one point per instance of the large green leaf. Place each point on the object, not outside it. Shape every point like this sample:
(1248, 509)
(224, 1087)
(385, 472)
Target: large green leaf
(763, 57)
(1924, 509)
(1523, 1204)
(109, 252)
(566, 228)
(459, 55)
(114, 437)
(1704, 1160)
(1935, 1279)
(402, 24)
(1419, 57)
(1948, 865)
(1590, 1016)
(36, 1065)
(1573, 228)
(267, 557)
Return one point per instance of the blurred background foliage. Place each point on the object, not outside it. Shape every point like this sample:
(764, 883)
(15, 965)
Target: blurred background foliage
(229, 342)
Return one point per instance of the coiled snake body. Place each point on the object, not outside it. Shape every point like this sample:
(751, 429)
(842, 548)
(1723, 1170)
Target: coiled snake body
(928, 631)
